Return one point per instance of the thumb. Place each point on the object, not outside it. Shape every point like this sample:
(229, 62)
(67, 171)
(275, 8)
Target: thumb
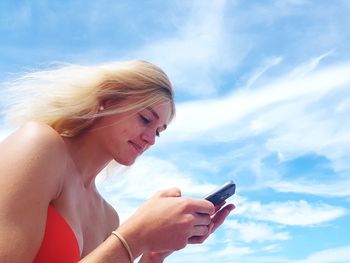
(172, 192)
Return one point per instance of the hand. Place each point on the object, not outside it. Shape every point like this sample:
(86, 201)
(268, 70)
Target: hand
(167, 222)
(218, 218)
(155, 257)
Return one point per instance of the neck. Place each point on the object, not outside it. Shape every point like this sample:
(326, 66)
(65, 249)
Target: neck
(87, 156)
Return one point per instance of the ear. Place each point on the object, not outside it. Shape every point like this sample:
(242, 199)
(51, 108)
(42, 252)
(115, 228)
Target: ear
(107, 103)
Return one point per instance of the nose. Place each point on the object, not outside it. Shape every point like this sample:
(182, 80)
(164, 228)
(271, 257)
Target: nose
(149, 137)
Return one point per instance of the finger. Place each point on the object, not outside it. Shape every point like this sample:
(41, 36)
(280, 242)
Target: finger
(172, 192)
(225, 211)
(197, 239)
(202, 219)
(200, 239)
(202, 206)
(221, 215)
(200, 231)
(217, 207)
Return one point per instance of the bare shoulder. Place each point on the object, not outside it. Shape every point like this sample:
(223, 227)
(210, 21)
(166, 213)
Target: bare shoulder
(35, 139)
(34, 133)
(32, 154)
(31, 168)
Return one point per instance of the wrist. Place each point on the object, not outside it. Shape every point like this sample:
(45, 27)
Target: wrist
(125, 244)
(136, 243)
(154, 257)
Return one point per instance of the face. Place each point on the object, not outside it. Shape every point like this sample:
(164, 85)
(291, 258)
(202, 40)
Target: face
(126, 136)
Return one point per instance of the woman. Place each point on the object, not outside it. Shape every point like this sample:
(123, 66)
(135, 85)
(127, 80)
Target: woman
(75, 121)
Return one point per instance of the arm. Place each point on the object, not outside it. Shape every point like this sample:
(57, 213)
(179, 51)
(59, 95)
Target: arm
(32, 162)
(166, 222)
(28, 183)
(31, 178)
(221, 214)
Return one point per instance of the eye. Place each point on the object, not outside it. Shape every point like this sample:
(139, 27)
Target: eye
(148, 122)
(145, 120)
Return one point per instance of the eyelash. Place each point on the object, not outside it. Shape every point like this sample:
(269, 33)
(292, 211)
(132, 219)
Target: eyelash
(147, 122)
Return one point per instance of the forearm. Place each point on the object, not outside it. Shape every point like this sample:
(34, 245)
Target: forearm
(111, 250)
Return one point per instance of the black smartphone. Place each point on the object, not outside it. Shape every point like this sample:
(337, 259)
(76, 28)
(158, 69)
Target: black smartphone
(222, 193)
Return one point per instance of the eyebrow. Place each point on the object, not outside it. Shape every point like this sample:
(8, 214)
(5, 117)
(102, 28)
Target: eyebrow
(155, 114)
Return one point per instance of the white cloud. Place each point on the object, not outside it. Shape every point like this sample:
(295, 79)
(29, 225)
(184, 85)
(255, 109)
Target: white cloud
(305, 68)
(199, 51)
(226, 254)
(290, 213)
(260, 71)
(272, 248)
(337, 188)
(147, 176)
(233, 251)
(333, 255)
(304, 111)
(252, 231)
(204, 116)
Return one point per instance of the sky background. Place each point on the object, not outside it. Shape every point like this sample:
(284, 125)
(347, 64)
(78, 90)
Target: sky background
(263, 98)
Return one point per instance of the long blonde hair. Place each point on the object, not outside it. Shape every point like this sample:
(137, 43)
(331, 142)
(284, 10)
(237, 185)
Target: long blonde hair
(68, 98)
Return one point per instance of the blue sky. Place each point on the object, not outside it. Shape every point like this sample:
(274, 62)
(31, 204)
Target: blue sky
(263, 98)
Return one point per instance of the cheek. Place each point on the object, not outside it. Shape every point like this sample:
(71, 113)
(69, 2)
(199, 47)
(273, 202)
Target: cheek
(130, 131)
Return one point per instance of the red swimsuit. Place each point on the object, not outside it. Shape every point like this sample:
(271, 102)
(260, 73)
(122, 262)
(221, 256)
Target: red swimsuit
(60, 244)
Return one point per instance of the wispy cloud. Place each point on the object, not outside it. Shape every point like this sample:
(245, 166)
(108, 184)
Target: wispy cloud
(226, 253)
(332, 255)
(142, 180)
(258, 232)
(200, 51)
(261, 80)
(206, 116)
(260, 71)
(292, 115)
(336, 188)
(291, 213)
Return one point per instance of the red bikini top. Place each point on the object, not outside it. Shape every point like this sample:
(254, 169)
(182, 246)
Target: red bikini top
(60, 244)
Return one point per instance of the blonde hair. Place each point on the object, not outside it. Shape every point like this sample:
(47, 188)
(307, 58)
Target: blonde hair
(68, 98)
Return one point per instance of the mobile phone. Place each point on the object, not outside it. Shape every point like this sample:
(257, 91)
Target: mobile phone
(222, 193)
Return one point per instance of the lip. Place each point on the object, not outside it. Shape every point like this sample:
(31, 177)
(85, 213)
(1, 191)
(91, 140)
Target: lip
(137, 147)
